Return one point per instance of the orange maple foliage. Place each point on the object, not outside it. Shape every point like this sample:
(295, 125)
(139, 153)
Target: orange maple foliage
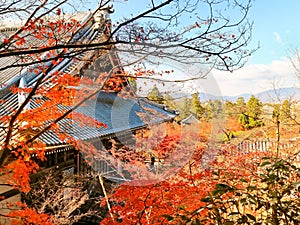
(18, 173)
(26, 216)
(51, 96)
(149, 204)
(152, 204)
(233, 125)
(178, 199)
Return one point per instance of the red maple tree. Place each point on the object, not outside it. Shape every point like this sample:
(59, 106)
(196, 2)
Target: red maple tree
(47, 38)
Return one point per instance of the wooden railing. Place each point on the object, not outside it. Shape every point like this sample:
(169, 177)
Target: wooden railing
(283, 148)
(264, 145)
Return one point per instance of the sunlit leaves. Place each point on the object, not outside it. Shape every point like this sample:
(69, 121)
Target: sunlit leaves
(17, 173)
(28, 216)
(5, 41)
(175, 200)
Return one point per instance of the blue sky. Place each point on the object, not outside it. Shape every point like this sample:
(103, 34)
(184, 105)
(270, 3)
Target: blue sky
(276, 29)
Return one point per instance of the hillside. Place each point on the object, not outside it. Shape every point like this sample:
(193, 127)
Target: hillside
(265, 96)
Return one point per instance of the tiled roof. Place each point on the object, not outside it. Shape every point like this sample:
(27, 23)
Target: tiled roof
(8, 76)
(10, 73)
(118, 113)
(190, 119)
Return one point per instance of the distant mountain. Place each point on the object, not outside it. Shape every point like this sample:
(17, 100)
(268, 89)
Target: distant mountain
(266, 96)
(279, 94)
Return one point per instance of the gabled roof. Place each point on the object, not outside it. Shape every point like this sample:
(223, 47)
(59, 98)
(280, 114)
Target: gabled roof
(9, 76)
(191, 119)
(120, 114)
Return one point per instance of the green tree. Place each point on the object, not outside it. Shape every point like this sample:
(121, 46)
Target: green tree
(196, 107)
(169, 101)
(254, 107)
(281, 114)
(155, 95)
(251, 117)
(230, 109)
(276, 111)
(285, 111)
(214, 109)
(235, 109)
(241, 105)
(254, 110)
(132, 83)
(184, 109)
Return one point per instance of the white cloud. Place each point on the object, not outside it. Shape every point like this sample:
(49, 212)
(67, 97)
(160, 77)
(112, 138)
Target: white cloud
(252, 78)
(255, 78)
(278, 38)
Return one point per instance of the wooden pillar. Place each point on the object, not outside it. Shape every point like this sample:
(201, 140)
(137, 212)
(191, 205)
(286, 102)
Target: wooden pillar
(65, 155)
(55, 157)
(77, 162)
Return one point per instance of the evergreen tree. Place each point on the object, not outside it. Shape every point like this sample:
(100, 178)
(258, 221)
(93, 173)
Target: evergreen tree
(196, 109)
(251, 117)
(241, 105)
(184, 110)
(155, 95)
(169, 101)
(231, 109)
(285, 111)
(276, 111)
(214, 109)
(244, 121)
(282, 112)
(254, 107)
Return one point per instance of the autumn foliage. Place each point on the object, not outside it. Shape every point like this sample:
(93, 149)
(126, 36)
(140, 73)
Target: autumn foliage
(183, 197)
(28, 216)
(175, 174)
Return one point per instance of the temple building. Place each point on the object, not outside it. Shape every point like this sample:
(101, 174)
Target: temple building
(117, 106)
